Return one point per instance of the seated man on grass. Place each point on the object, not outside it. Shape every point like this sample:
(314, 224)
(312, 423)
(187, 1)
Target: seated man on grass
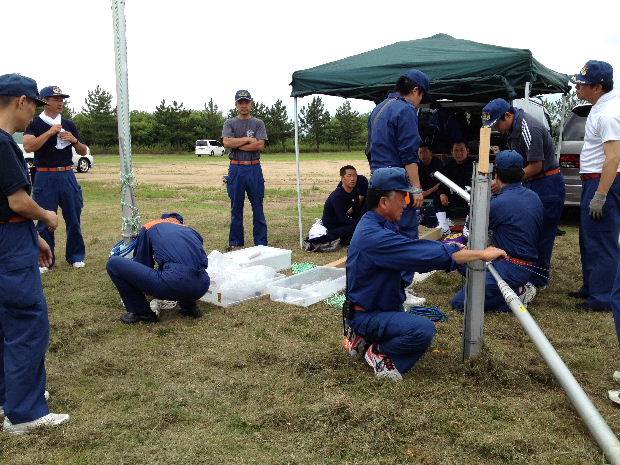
(515, 224)
(180, 275)
(376, 324)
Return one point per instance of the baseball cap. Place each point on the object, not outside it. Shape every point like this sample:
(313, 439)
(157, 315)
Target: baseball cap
(508, 159)
(52, 91)
(494, 110)
(593, 72)
(16, 85)
(390, 179)
(174, 215)
(242, 95)
(421, 79)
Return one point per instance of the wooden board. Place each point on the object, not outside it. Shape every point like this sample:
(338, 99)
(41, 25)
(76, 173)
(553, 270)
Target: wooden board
(485, 148)
(433, 234)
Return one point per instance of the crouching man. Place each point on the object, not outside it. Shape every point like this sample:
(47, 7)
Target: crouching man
(181, 275)
(516, 225)
(391, 339)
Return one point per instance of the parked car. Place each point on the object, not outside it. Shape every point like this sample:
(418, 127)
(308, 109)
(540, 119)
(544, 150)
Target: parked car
(569, 148)
(209, 147)
(82, 163)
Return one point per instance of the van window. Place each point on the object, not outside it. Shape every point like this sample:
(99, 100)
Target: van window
(202, 143)
(575, 128)
(215, 143)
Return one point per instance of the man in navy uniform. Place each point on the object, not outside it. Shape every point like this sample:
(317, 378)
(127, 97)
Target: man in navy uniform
(245, 136)
(180, 275)
(516, 223)
(24, 324)
(600, 194)
(542, 174)
(51, 137)
(391, 339)
(459, 170)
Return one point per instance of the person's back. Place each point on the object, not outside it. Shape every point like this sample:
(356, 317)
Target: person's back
(178, 244)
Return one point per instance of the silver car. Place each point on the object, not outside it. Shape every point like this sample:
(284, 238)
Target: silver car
(570, 147)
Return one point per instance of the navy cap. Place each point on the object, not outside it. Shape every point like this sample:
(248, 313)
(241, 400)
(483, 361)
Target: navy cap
(594, 72)
(419, 78)
(52, 91)
(174, 215)
(494, 110)
(242, 95)
(508, 159)
(390, 179)
(16, 85)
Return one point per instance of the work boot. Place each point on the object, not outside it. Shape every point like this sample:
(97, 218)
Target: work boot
(353, 344)
(49, 420)
(382, 364)
(130, 318)
(193, 312)
(577, 294)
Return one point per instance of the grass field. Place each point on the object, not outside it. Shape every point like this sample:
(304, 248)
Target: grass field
(264, 382)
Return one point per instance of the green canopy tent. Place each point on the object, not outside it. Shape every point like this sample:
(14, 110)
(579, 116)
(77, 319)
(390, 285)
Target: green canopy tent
(459, 70)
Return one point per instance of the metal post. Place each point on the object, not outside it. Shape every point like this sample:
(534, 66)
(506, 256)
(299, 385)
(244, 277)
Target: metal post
(473, 330)
(301, 231)
(528, 86)
(603, 435)
(131, 216)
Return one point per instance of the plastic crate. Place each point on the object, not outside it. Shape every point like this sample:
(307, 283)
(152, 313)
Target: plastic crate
(278, 259)
(222, 298)
(309, 287)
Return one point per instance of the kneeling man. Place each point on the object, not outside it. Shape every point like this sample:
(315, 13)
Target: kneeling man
(391, 339)
(181, 273)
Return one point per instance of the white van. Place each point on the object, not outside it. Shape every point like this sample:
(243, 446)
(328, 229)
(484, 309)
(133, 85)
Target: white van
(209, 147)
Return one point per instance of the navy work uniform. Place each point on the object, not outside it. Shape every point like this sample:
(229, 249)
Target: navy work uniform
(24, 324)
(341, 212)
(515, 222)
(181, 267)
(598, 237)
(245, 175)
(460, 174)
(533, 141)
(55, 185)
(377, 256)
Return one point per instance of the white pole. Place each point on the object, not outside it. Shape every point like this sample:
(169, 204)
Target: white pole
(528, 86)
(131, 216)
(452, 185)
(301, 231)
(603, 435)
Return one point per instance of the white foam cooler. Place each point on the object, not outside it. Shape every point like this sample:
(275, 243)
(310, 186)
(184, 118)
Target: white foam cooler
(308, 287)
(273, 257)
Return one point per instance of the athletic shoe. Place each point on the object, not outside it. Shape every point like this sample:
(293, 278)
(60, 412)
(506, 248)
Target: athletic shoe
(79, 264)
(132, 318)
(616, 376)
(43, 269)
(232, 248)
(614, 396)
(528, 292)
(157, 305)
(354, 345)
(46, 394)
(382, 364)
(413, 300)
(49, 420)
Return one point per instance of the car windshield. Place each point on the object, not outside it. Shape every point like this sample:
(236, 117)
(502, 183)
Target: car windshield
(575, 128)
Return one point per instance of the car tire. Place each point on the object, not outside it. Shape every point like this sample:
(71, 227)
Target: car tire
(83, 165)
(212, 152)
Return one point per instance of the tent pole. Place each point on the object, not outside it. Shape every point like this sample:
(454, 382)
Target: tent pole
(528, 86)
(131, 216)
(301, 231)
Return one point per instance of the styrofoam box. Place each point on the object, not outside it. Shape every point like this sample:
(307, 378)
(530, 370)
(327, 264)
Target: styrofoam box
(308, 287)
(215, 297)
(278, 259)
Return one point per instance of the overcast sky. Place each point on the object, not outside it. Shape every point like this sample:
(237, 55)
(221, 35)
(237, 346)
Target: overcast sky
(191, 51)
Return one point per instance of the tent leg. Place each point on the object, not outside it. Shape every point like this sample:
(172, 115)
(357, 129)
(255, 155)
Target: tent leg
(301, 231)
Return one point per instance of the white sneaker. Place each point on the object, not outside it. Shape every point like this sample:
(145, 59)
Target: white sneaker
(49, 420)
(413, 300)
(46, 394)
(43, 269)
(528, 294)
(614, 396)
(79, 264)
(616, 376)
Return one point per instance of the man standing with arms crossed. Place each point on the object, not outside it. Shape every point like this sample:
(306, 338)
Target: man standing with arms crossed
(24, 324)
(245, 136)
(394, 141)
(600, 195)
(50, 137)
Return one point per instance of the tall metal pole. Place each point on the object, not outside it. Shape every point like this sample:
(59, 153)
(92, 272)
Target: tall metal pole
(473, 319)
(603, 435)
(301, 231)
(131, 216)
